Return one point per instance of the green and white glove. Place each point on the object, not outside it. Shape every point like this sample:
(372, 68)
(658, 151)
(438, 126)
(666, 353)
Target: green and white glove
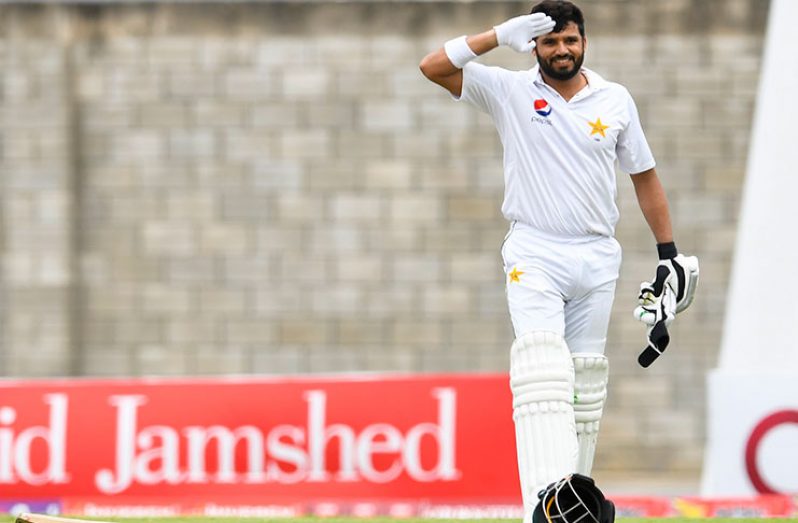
(671, 292)
(657, 309)
(681, 277)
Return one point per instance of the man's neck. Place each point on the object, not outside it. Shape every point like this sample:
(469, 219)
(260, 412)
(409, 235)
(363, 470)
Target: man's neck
(566, 88)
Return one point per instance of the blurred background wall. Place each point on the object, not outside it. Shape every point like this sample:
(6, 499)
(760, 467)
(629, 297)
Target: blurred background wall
(273, 187)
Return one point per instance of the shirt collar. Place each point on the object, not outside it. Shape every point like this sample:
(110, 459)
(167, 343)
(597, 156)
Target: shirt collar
(594, 81)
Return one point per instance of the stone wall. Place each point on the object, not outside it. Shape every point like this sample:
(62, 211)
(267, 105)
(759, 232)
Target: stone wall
(275, 188)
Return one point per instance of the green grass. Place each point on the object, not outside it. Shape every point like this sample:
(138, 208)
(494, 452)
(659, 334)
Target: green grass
(200, 519)
(418, 520)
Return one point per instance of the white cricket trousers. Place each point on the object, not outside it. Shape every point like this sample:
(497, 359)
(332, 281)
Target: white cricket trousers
(562, 285)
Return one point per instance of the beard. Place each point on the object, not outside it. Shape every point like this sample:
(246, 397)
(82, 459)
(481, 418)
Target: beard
(562, 73)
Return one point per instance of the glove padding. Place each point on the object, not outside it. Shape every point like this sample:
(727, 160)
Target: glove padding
(657, 299)
(519, 33)
(683, 278)
(657, 308)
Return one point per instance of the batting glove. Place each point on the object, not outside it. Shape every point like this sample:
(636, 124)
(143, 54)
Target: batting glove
(657, 339)
(671, 292)
(657, 309)
(657, 299)
(519, 33)
(684, 274)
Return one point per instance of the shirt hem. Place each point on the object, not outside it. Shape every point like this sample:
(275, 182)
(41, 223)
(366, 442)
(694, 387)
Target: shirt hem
(520, 225)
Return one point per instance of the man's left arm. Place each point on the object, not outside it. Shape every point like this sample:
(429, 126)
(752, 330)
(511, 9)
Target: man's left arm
(678, 271)
(682, 271)
(654, 204)
(673, 287)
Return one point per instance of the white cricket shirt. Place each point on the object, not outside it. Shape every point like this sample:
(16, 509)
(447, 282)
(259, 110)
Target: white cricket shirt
(559, 157)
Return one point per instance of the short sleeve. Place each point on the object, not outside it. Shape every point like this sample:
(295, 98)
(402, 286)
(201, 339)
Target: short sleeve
(485, 87)
(634, 154)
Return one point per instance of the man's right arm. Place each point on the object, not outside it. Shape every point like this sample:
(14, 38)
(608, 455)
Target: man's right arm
(437, 67)
(445, 66)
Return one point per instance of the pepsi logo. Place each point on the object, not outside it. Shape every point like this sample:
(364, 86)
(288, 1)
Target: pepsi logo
(542, 107)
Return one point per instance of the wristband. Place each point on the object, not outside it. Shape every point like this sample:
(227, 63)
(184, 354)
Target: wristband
(667, 251)
(458, 52)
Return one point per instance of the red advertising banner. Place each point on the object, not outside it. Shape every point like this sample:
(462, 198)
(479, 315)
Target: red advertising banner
(355, 441)
(363, 445)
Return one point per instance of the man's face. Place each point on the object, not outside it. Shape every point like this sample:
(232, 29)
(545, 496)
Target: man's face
(560, 55)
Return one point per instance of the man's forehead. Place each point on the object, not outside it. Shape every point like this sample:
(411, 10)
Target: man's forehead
(570, 29)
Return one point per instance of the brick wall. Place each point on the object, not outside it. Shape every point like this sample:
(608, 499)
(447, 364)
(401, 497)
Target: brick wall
(271, 188)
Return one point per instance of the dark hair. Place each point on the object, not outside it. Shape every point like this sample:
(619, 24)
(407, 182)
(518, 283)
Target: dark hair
(562, 12)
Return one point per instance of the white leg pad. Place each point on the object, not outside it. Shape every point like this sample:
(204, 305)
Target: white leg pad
(590, 392)
(542, 382)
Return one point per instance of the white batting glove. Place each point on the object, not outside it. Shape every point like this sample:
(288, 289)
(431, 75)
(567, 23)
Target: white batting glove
(657, 309)
(657, 299)
(671, 292)
(657, 337)
(684, 279)
(518, 33)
